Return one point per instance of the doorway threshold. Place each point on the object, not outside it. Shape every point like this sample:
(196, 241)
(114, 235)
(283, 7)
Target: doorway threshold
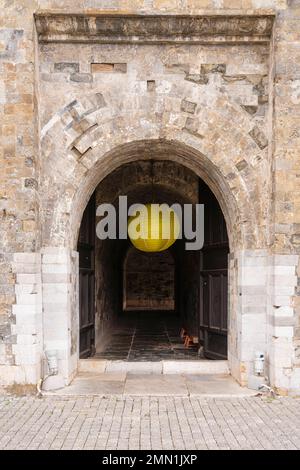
(201, 366)
(130, 384)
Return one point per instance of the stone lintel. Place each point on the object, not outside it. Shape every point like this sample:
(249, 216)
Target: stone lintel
(239, 27)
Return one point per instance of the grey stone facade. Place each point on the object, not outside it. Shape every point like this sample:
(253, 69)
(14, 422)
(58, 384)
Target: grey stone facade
(219, 94)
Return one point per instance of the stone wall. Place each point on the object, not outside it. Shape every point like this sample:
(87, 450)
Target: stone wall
(72, 113)
(90, 117)
(284, 315)
(148, 281)
(20, 308)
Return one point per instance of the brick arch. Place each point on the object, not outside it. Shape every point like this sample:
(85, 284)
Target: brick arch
(172, 182)
(87, 139)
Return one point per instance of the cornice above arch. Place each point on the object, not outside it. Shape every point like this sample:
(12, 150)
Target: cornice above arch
(215, 26)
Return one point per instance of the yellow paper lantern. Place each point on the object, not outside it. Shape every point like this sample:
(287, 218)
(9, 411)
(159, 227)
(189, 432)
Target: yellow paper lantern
(153, 230)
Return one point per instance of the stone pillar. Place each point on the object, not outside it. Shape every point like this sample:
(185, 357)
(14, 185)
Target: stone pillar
(60, 307)
(284, 333)
(24, 340)
(247, 310)
(19, 304)
(284, 372)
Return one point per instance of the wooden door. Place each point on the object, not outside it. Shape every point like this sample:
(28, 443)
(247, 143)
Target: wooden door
(86, 248)
(213, 278)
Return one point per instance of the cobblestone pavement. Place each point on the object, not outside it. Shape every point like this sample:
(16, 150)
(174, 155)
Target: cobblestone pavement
(149, 423)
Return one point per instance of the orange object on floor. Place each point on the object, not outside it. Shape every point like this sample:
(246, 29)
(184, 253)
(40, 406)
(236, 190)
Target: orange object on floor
(188, 341)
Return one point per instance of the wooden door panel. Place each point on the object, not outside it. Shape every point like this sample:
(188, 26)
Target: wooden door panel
(205, 300)
(214, 313)
(215, 257)
(215, 295)
(86, 248)
(224, 316)
(215, 345)
(213, 279)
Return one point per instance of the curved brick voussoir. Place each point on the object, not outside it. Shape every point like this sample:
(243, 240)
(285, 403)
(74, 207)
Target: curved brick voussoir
(76, 118)
(83, 142)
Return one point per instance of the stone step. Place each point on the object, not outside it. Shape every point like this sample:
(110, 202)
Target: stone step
(162, 367)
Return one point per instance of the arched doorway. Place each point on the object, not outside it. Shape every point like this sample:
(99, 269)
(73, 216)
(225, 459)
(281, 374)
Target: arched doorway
(242, 230)
(132, 295)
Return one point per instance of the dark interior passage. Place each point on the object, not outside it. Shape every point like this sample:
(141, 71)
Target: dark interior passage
(133, 305)
(147, 336)
(148, 280)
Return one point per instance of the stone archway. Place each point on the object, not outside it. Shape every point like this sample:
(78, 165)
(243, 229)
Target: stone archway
(200, 120)
(238, 268)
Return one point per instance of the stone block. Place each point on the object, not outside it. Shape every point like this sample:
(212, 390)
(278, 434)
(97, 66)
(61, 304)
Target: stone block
(61, 298)
(24, 278)
(56, 307)
(252, 300)
(27, 339)
(284, 311)
(92, 365)
(24, 309)
(54, 250)
(188, 106)
(54, 289)
(213, 68)
(28, 299)
(259, 137)
(255, 382)
(61, 346)
(26, 258)
(31, 183)
(281, 300)
(66, 67)
(58, 258)
(197, 78)
(29, 225)
(81, 77)
(25, 268)
(197, 367)
(56, 268)
(53, 382)
(284, 280)
(282, 321)
(57, 278)
(26, 289)
(56, 330)
(283, 331)
(28, 320)
(25, 329)
(12, 374)
(253, 276)
(285, 290)
(26, 354)
(295, 382)
(284, 270)
(136, 367)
